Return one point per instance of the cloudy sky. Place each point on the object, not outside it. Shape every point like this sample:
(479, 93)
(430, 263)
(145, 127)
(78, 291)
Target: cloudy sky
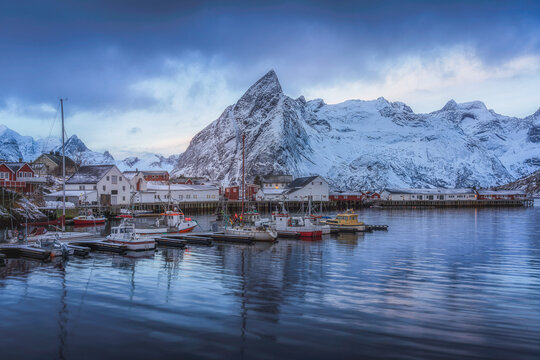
(148, 75)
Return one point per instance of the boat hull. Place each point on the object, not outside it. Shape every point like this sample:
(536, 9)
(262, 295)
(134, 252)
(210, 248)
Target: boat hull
(315, 234)
(136, 245)
(161, 231)
(347, 228)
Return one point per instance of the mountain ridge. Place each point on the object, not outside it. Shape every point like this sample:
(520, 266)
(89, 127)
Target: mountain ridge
(363, 144)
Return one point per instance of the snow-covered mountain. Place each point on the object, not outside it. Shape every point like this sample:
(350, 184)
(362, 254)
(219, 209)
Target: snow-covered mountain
(14, 146)
(363, 144)
(530, 184)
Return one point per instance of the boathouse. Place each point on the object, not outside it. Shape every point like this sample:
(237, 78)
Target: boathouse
(153, 192)
(234, 192)
(437, 194)
(501, 195)
(77, 197)
(111, 186)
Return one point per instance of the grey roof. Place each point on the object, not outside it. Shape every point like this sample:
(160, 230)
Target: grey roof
(57, 159)
(437, 191)
(269, 179)
(90, 174)
(300, 182)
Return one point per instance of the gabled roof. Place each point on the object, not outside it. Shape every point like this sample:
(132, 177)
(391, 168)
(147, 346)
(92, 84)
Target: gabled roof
(301, 182)
(57, 159)
(14, 166)
(90, 174)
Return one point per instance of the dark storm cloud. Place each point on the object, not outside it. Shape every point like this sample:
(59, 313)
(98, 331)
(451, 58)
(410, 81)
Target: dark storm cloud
(94, 50)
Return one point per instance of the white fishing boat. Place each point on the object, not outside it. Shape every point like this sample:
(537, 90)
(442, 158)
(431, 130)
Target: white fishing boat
(296, 226)
(170, 222)
(124, 234)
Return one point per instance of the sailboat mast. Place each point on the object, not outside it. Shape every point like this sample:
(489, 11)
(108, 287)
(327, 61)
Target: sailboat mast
(243, 172)
(63, 170)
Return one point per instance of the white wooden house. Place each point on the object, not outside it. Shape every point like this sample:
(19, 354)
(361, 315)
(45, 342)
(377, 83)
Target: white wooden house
(111, 186)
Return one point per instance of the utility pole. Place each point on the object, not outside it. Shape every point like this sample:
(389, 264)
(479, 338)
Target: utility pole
(63, 170)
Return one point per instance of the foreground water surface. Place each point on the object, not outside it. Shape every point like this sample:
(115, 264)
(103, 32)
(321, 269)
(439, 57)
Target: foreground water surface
(439, 284)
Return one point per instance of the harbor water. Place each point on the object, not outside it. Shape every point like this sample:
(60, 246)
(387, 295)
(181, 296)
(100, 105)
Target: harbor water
(440, 284)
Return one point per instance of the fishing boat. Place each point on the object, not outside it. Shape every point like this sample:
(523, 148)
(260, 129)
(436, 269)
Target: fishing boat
(252, 226)
(88, 220)
(52, 243)
(296, 226)
(170, 222)
(346, 222)
(124, 234)
(250, 223)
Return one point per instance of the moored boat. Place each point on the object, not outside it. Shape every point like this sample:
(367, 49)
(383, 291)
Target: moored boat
(346, 222)
(296, 226)
(124, 234)
(88, 220)
(52, 243)
(252, 226)
(171, 222)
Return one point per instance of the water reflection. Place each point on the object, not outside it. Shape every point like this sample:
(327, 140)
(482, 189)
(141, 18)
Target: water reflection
(444, 284)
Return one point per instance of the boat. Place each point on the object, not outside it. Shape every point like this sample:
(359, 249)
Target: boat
(346, 222)
(296, 226)
(170, 222)
(124, 234)
(88, 220)
(52, 243)
(252, 226)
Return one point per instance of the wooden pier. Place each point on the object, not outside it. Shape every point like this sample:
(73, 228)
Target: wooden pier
(99, 245)
(16, 250)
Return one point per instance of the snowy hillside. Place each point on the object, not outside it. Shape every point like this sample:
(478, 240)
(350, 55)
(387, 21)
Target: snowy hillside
(530, 184)
(363, 144)
(14, 146)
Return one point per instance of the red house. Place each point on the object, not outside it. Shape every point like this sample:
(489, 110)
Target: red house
(18, 177)
(156, 175)
(233, 192)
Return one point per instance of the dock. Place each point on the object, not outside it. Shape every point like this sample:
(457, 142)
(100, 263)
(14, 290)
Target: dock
(99, 245)
(370, 228)
(16, 250)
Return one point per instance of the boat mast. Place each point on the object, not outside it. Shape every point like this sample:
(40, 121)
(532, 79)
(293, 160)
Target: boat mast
(63, 170)
(243, 169)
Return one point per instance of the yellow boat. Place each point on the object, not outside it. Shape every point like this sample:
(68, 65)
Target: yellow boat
(346, 222)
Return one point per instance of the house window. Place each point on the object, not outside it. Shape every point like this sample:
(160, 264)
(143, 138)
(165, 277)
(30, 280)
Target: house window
(4, 175)
(194, 196)
(104, 188)
(95, 187)
(320, 183)
(124, 188)
(115, 179)
(188, 196)
(81, 187)
(123, 198)
(107, 177)
(419, 197)
(120, 178)
(114, 192)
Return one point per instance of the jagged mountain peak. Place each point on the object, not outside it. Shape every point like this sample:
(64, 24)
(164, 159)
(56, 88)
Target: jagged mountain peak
(452, 105)
(361, 144)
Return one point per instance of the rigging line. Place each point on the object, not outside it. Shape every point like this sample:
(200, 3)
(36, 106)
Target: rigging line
(52, 126)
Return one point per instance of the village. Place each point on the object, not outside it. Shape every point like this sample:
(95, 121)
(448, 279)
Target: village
(107, 190)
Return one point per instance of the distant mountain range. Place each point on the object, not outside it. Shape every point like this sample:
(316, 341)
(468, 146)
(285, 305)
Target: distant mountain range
(14, 146)
(530, 184)
(363, 144)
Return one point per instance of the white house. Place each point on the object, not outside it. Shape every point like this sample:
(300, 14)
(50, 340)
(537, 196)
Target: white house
(111, 186)
(301, 189)
(161, 192)
(271, 194)
(276, 181)
(428, 194)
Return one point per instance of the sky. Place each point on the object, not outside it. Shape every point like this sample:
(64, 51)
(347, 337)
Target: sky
(146, 76)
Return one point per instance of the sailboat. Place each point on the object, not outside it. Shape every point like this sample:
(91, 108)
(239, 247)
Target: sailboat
(250, 224)
(61, 234)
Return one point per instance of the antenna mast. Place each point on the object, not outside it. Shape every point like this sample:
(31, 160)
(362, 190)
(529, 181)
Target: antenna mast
(63, 170)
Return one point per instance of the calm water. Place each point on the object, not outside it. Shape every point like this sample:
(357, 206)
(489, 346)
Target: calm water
(439, 284)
